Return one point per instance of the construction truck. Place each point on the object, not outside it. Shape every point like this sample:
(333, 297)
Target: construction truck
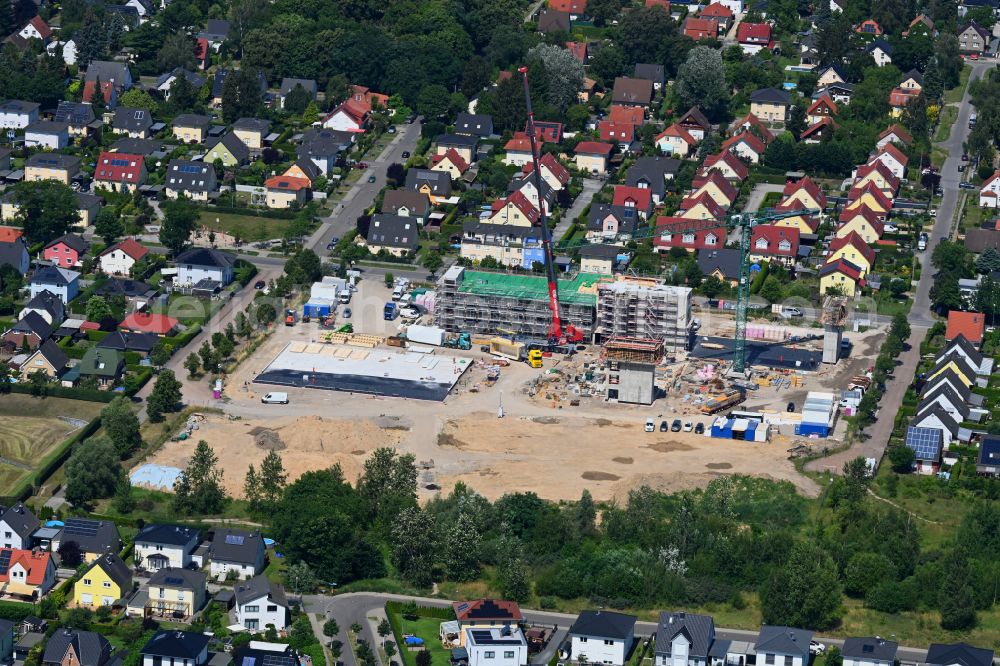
(507, 349)
(535, 358)
(289, 317)
(724, 400)
(461, 341)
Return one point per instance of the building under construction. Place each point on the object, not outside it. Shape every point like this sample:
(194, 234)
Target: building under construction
(644, 309)
(631, 369)
(488, 303)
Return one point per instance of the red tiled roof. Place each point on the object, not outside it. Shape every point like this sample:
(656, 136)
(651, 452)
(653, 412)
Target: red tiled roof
(676, 228)
(119, 168)
(809, 186)
(640, 197)
(739, 168)
(824, 122)
(35, 564)
(753, 33)
(130, 247)
(774, 236)
(41, 26)
(795, 206)
(727, 189)
(659, 3)
(969, 324)
(578, 49)
(10, 234)
(201, 50)
(989, 181)
(454, 158)
(841, 266)
(626, 114)
(901, 97)
(824, 100)
(146, 322)
(519, 201)
(750, 120)
(871, 188)
(884, 171)
(552, 165)
(569, 6)
(618, 132)
(747, 137)
(717, 9)
(855, 241)
(593, 148)
(107, 88)
(352, 109)
(869, 215)
(699, 28)
(518, 144)
(900, 133)
(287, 183)
(895, 152)
(678, 131)
(692, 201)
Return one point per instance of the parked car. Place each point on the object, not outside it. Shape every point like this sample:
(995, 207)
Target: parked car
(676, 425)
(371, 178)
(790, 407)
(891, 228)
(664, 427)
(391, 130)
(650, 425)
(966, 186)
(699, 428)
(406, 154)
(259, 284)
(965, 157)
(688, 427)
(815, 647)
(347, 313)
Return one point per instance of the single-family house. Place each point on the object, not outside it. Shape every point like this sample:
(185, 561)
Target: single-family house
(116, 73)
(407, 203)
(28, 332)
(601, 259)
(607, 222)
(474, 124)
(94, 537)
(78, 116)
(638, 198)
(700, 207)
(303, 169)
(216, 32)
(48, 359)
(287, 191)
(396, 235)
(160, 546)
(124, 341)
(989, 192)
(346, 117)
(51, 166)
(290, 84)
(988, 460)
(228, 149)
(15, 253)
(236, 550)
(516, 209)
(175, 592)
(880, 51)
(871, 196)
(103, 365)
(933, 416)
(602, 637)
(683, 639)
(895, 133)
(74, 647)
(651, 71)
(769, 242)
(753, 37)
(862, 220)
(166, 81)
(554, 174)
(676, 141)
(824, 107)
(107, 580)
(592, 157)
(982, 363)
(783, 645)
(47, 134)
(622, 134)
(259, 603)
(17, 524)
(496, 646)
(746, 145)
(178, 648)
(869, 27)
(119, 258)
(770, 105)
(191, 127)
(652, 173)
(18, 114)
(67, 251)
(48, 306)
(830, 75)
(721, 13)
(893, 158)
(463, 144)
(186, 178)
(854, 249)
(120, 172)
(450, 163)
(879, 174)
(727, 164)
(552, 20)
(204, 263)
(632, 92)
(698, 28)
(88, 206)
(839, 276)
(927, 445)
(695, 122)
(518, 150)
(251, 131)
(973, 38)
(435, 184)
(525, 184)
(819, 132)
(969, 325)
(806, 192)
(723, 263)
(133, 123)
(716, 186)
(921, 25)
(219, 84)
(62, 282)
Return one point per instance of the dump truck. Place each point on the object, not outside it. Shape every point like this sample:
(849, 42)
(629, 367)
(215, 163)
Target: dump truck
(507, 349)
(459, 341)
(426, 335)
(535, 358)
(724, 400)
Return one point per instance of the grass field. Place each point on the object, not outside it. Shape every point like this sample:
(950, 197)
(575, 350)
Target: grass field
(427, 629)
(251, 228)
(25, 440)
(956, 93)
(948, 116)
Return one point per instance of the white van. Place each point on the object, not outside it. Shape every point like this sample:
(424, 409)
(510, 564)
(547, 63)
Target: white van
(345, 296)
(650, 425)
(275, 399)
(397, 293)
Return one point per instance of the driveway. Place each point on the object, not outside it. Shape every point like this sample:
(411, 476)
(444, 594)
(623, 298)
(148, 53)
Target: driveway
(876, 437)
(591, 186)
(357, 606)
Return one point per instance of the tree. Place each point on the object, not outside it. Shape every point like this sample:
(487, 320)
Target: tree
(272, 480)
(97, 309)
(414, 545)
(958, 608)
(384, 628)
(243, 328)
(949, 59)
(121, 426)
(192, 364)
(138, 98)
(901, 458)
(771, 289)
(586, 514)
(433, 102)
(124, 500)
(296, 100)
(563, 74)
(177, 51)
(856, 478)
(70, 554)
(109, 226)
(92, 471)
(805, 592)
(46, 209)
(331, 628)
(797, 121)
(159, 354)
(865, 571)
(241, 94)
(265, 314)
(223, 345)
(91, 40)
(300, 579)
(251, 488)
(933, 83)
(701, 81)
(182, 94)
(178, 224)
(433, 262)
(988, 261)
(199, 487)
(165, 396)
(388, 484)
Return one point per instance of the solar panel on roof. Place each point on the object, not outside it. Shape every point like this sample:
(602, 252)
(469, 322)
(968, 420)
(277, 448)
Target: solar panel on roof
(191, 168)
(925, 442)
(234, 539)
(248, 661)
(275, 660)
(119, 163)
(80, 527)
(5, 561)
(174, 580)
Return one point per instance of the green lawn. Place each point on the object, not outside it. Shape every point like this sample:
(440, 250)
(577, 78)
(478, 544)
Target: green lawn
(948, 116)
(427, 629)
(251, 228)
(972, 214)
(954, 95)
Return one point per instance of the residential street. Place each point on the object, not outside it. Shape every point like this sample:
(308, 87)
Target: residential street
(357, 606)
(591, 186)
(877, 436)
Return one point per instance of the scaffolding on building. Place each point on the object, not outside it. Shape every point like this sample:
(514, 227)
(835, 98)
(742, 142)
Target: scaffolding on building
(633, 350)
(627, 309)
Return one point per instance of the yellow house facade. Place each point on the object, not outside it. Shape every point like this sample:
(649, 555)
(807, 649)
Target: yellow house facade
(803, 196)
(837, 281)
(698, 212)
(106, 581)
(448, 167)
(769, 112)
(868, 199)
(712, 189)
(32, 173)
(850, 253)
(862, 227)
(799, 222)
(879, 180)
(173, 590)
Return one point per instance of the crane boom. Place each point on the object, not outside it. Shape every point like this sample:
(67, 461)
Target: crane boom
(557, 335)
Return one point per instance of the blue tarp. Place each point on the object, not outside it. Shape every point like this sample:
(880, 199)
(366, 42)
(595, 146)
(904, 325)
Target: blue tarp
(413, 640)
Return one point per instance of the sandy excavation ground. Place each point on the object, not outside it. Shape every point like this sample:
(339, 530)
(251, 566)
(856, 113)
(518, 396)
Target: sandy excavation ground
(304, 444)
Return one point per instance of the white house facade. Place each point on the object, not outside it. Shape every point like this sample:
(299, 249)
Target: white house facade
(496, 646)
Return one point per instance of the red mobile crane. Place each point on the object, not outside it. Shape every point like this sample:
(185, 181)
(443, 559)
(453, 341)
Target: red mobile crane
(558, 335)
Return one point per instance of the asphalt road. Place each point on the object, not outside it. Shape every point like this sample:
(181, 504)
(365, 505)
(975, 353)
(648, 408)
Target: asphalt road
(355, 607)
(921, 318)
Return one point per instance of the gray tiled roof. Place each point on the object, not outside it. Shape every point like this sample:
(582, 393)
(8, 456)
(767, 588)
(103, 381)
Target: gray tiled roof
(237, 546)
(393, 231)
(699, 630)
(91, 648)
(176, 577)
(132, 119)
(603, 624)
(869, 648)
(188, 176)
(20, 519)
(257, 587)
(784, 640)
